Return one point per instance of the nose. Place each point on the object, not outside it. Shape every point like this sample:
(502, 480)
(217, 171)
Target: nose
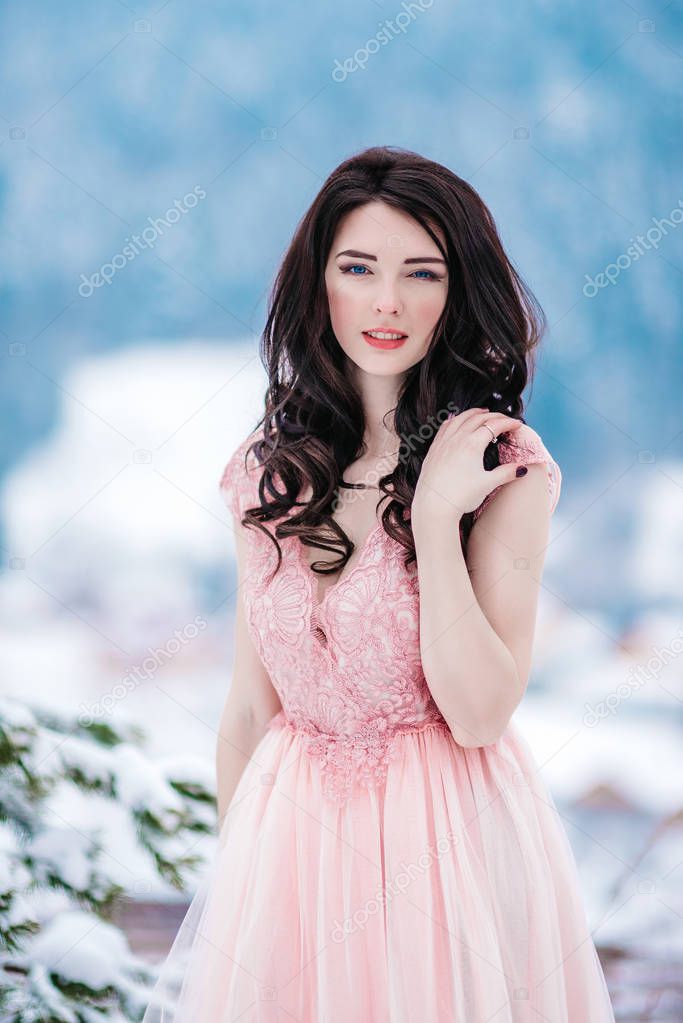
(387, 300)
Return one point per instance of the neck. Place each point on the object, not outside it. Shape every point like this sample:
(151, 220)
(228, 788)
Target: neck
(379, 396)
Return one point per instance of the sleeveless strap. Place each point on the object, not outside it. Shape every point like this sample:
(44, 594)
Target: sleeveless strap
(234, 480)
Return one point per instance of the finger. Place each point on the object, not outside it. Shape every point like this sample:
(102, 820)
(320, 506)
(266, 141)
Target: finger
(496, 422)
(499, 417)
(454, 422)
(462, 417)
(475, 410)
(503, 426)
(506, 473)
(473, 418)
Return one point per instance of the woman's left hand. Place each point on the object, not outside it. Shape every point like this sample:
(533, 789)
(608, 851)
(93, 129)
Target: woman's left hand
(453, 480)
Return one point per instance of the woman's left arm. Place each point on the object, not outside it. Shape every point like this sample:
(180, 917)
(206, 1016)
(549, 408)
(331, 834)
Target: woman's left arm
(477, 627)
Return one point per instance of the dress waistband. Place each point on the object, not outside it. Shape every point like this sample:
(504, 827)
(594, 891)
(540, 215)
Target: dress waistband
(361, 756)
(373, 727)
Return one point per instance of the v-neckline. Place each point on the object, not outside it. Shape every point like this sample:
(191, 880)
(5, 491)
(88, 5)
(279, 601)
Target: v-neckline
(359, 550)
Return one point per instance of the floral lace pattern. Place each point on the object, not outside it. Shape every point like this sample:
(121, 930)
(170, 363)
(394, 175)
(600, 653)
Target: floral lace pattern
(347, 670)
(362, 757)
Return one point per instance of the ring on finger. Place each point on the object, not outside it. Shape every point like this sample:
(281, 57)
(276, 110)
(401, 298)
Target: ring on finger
(493, 436)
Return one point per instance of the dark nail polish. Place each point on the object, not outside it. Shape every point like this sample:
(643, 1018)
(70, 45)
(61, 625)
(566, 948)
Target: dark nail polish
(521, 470)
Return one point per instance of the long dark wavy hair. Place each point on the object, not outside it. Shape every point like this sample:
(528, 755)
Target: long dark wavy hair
(481, 354)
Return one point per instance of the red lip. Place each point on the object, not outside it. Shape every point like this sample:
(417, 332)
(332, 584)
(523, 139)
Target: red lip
(387, 330)
(378, 343)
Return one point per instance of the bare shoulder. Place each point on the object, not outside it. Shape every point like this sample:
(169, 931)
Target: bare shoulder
(526, 446)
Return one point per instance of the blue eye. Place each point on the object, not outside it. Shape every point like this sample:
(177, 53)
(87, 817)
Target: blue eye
(359, 266)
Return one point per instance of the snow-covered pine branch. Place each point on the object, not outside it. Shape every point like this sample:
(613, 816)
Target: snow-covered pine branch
(61, 958)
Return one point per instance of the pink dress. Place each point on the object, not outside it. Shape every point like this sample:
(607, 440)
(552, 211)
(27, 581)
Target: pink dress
(370, 869)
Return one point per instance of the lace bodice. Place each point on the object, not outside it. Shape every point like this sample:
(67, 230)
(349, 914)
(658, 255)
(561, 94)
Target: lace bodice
(347, 669)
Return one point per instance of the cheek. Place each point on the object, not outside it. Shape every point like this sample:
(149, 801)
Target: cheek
(429, 307)
(342, 304)
(334, 301)
(426, 313)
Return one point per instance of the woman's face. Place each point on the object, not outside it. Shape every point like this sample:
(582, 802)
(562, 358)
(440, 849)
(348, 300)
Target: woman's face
(384, 272)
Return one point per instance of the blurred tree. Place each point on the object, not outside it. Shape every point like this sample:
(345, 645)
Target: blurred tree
(61, 958)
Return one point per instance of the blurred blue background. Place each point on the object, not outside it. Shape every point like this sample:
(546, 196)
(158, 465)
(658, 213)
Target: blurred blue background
(122, 400)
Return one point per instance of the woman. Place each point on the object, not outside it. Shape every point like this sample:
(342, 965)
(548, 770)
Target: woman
(387, 850)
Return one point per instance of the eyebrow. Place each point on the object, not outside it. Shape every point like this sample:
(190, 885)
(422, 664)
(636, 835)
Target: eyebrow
(368, 255)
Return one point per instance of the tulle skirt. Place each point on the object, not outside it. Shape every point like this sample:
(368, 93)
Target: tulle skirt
(449, 893)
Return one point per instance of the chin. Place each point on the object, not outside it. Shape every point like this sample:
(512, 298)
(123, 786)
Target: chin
(383, 363)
